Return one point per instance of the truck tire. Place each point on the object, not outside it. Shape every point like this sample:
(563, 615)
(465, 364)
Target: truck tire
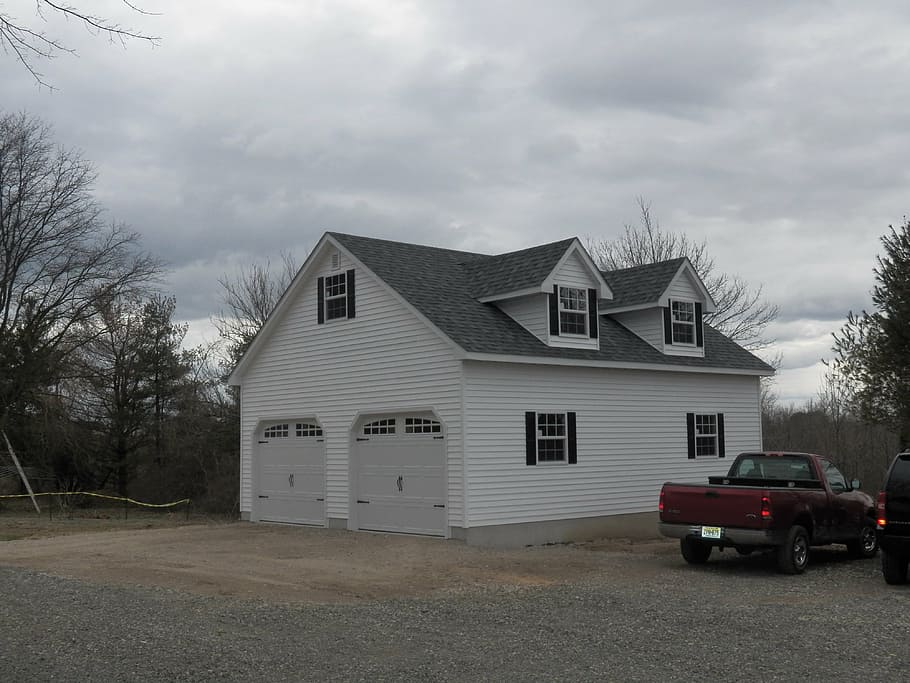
(694, 552)
(866, 545)
(894, 569)
(793, 555)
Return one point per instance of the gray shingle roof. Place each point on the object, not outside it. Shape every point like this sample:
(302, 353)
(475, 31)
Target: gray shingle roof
(514, 271)
(640, 284)
(443, 285)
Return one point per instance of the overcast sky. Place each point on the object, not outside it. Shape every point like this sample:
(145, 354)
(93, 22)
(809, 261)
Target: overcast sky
(777, 132)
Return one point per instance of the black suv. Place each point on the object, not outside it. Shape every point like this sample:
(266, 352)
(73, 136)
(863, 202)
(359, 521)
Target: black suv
(893, 516)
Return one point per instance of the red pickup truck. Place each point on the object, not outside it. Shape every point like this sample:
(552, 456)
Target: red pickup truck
(782, 501)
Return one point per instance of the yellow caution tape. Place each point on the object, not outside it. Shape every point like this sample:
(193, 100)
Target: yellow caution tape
(101, 495)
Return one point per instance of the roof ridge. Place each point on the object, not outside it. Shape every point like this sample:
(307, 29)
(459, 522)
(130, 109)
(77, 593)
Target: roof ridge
(647, 265)
(404, 244)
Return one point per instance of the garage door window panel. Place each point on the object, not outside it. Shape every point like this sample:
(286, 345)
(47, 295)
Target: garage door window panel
(277, 431)
(419, 425)
(304, 429)
(383, 427)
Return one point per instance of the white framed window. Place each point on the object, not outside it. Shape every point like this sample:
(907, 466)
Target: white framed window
(384, 426)
(573, 311)
(308, 429)
(419, 425)
(706, 435)
(336, 297)
(551, 437)
(276, 431)
(682, 321)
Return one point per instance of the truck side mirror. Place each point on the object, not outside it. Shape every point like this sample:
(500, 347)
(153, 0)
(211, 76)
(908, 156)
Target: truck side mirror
(854, 484)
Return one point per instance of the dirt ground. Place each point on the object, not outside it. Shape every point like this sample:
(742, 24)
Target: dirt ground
(298, 564)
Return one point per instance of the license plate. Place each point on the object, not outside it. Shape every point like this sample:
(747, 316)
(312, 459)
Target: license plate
(711, 531)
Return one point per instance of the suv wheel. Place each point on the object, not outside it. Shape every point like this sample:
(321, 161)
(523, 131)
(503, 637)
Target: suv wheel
(894, 569)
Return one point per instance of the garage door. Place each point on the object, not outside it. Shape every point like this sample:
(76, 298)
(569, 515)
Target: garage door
(399, 479)
(291, 473)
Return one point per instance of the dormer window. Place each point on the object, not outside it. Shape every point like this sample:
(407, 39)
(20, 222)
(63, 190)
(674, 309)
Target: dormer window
(683, 322)
(573, 311)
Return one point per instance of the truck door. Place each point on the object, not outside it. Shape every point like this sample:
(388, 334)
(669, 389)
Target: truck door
(844, 521)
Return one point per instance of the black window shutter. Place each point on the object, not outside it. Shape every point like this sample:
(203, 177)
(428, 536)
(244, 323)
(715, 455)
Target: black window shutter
(349, 284)
(593, 321)
(530, 438)
(720, 435)
(570, 432)
(668, 327)
(554, 311)
(320, 300)
(699, 333)
(690, 434)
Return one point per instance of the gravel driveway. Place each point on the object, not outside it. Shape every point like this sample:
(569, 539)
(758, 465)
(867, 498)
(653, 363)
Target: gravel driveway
(627, 614)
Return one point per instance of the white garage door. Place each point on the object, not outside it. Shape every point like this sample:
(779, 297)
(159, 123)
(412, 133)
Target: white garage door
(399, 475)
(291, 473)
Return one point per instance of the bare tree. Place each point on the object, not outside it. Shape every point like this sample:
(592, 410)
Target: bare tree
(249, 298)
(741, 312)
(58, 260)
(30, 44)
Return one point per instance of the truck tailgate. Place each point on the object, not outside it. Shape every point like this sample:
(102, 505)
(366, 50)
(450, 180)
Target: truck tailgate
(735, 506)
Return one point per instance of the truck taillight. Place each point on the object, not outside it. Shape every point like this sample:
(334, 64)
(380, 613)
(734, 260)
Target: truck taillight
(660, 503)
(765, 507)
(880, 518)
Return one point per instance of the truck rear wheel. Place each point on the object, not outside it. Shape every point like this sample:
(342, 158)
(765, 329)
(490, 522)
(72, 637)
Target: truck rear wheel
(793, 555)
(894, 569)
(694, 552)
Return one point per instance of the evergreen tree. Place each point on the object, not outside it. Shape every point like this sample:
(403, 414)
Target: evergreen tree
(873, 349)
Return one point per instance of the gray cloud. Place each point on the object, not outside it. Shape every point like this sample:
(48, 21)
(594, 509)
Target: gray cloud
(776, 133)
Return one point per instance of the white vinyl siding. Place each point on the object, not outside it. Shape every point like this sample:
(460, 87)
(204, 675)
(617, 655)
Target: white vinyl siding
(682, 287)
(631, 437)
(384, 361)
(530, 312)
(647, 324)
(573, 273)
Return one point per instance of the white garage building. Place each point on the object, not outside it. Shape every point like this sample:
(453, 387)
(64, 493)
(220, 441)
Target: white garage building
(518, 398)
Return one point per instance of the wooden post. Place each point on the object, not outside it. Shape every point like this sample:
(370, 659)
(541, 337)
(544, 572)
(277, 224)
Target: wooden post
(28, 487)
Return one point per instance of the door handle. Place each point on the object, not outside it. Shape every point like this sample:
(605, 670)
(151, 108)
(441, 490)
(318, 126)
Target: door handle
(400, 483)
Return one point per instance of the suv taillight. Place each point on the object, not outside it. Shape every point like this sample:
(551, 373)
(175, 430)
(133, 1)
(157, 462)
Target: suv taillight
(660, 503)
(765, 507)
(880, 518)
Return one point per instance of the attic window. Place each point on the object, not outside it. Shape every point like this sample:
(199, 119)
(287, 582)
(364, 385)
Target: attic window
(683, 320)
(336, 297)
(573, 311)
(336, 261)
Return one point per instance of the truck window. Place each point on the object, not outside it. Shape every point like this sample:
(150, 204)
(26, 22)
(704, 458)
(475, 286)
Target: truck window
(782, 467)
(836, 480)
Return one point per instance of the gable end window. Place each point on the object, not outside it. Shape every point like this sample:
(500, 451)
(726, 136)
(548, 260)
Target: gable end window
(705, 435)
(335, 297)
(550, 438)
(683, 323)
